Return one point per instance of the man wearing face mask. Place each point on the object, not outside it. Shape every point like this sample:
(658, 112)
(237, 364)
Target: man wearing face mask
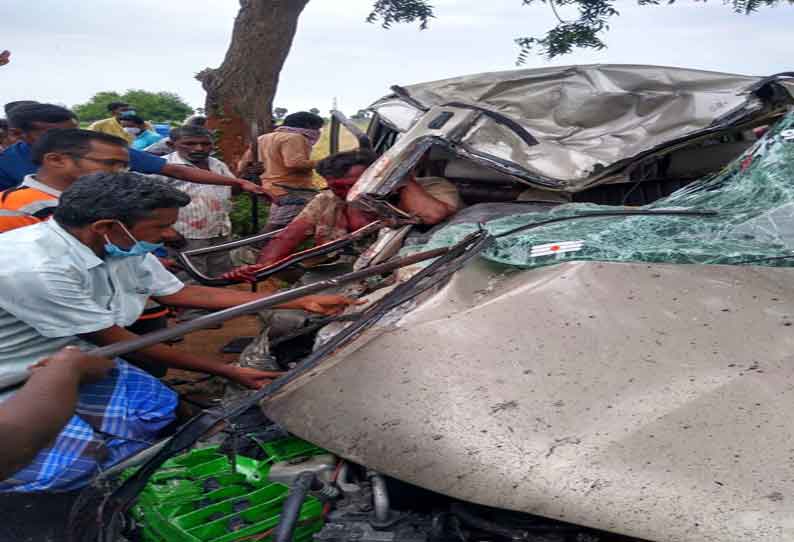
(136, 127)
(78, 280)
(112, 125)
(63, 155)
(288, 176)
(205, 220)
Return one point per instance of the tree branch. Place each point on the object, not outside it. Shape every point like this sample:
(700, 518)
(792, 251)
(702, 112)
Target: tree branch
(585, 32)
(401, 11)
(554, 10)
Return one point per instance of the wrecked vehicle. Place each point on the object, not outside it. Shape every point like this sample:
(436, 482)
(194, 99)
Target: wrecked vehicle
(630, 373)
(581, 133)
(547, 369)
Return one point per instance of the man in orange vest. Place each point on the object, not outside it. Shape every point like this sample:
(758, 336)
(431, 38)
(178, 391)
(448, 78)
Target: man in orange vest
(63, 155)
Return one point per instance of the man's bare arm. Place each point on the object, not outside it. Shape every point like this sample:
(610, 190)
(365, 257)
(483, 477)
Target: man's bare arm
(202, 176)
(416, 200)
(205, 297)
(278, 248)
(286, 242)
(33, 417)
(180, 359)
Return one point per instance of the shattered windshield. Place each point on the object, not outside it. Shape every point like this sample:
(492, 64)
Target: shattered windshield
(753, 197)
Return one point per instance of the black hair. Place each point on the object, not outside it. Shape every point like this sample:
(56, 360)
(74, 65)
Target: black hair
(70, 141)
(4, 125)
(188, 130)
(128, 197)
(11, 105)
(134, 118)
(196, 120)
(23, 116)
(112, 106)
(304, 119)
(337, 165)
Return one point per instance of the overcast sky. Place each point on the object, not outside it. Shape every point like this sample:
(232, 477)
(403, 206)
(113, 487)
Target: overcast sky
(65, 51)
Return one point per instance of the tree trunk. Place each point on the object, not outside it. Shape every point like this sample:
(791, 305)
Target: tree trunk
(240, 93)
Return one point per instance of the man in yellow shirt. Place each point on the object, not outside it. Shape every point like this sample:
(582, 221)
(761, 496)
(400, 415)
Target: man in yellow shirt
(288, 178)
(112, 125)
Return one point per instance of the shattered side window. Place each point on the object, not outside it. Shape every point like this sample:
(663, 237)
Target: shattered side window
(753, 196)
(398, 114)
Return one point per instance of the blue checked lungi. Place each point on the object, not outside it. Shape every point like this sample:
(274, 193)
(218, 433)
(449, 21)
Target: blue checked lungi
(115, 418)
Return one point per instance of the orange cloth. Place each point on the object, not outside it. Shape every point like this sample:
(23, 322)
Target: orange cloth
(26, 206)
(288, 162)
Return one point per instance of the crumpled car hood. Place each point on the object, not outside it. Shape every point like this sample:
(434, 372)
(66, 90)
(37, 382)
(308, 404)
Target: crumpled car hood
(587, 122)
(651, 400)
(752, 201)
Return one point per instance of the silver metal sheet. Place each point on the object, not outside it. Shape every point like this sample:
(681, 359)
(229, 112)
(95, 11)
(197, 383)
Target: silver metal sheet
(585, 118)
(649, 400)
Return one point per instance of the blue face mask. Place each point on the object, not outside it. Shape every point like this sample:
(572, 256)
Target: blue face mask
(138, 248)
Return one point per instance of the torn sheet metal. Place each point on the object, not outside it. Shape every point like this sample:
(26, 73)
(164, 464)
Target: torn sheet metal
(587, 122)
(651, 400)
(752, 220)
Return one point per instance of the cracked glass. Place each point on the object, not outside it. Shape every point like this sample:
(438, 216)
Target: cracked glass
(753, 197)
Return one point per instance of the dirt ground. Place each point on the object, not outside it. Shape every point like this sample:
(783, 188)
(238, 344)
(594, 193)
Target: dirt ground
(208, 343)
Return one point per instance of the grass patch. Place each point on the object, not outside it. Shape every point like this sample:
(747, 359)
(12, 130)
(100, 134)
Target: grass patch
(347, 142)
(242, 223)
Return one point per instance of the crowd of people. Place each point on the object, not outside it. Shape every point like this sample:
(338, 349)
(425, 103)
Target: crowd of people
(89, 222)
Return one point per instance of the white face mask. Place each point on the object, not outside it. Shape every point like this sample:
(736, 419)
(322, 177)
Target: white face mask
(133, 131)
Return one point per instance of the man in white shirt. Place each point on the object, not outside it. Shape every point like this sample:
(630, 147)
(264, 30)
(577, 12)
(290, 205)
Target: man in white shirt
(205, 221)
(78, 280)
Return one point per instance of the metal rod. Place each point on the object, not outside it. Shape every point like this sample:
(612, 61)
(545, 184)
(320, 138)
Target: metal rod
(12, 380)
(601, 214)
(286, 262)
(233, 244)
(118, 349)
(333, 139)
(340, 118)
(254, 198)
(320, 250)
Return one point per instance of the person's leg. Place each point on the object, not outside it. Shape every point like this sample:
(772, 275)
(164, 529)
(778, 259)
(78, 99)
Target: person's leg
(114, 418)
(131, 406)
(201, 264)
(276, 218)
(281, 214)
(198, 261)
(218, 263)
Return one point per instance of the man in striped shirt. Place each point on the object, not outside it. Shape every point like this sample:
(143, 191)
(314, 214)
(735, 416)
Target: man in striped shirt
(205, 221)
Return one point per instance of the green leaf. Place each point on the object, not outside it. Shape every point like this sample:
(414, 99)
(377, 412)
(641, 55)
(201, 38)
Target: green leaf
(152, 106)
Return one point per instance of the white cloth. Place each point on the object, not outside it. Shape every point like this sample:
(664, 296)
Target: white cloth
(53, 288)
(31, 182)
(207, 215)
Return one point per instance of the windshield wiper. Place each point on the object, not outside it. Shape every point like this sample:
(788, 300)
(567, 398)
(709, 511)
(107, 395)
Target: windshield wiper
(601, 214)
